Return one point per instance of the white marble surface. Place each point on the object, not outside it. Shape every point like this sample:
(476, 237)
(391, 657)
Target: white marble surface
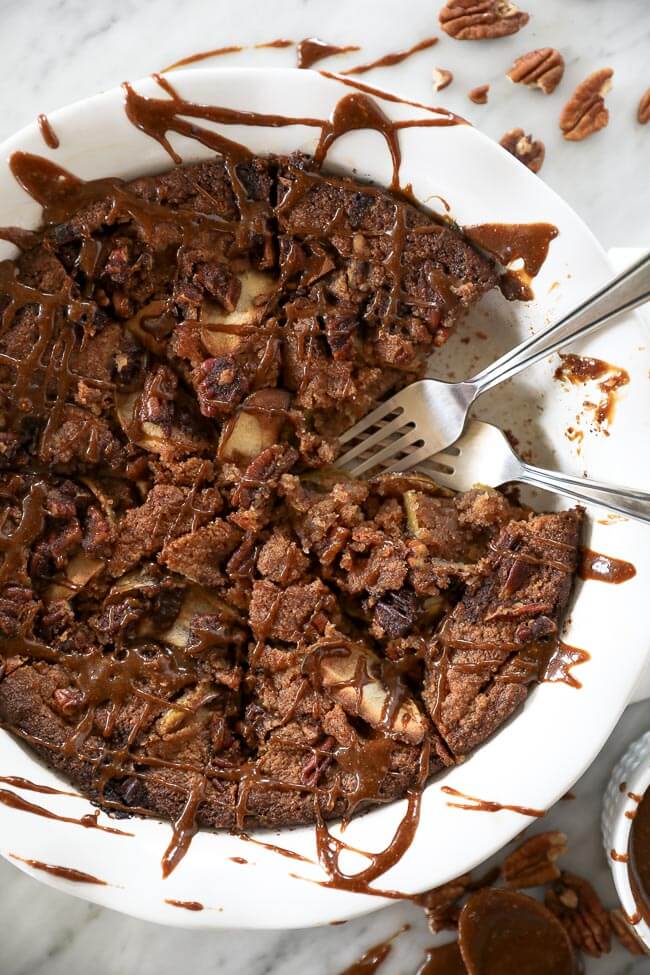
(53, 52)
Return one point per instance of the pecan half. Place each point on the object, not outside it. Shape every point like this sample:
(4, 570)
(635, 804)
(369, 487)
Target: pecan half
(442, 904)
(585, 112)
(479, 95)
(474, 20)
(533, 863)
(542, 68)
(626, 934)
(643, 111)
(441, 78)
(578, 907)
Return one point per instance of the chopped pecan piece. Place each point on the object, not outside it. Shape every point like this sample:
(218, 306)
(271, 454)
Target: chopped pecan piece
(542, 68)
(626, 934)
(68, 701)
(318, 762)
(523, 147)
(585, 112)
(221, 384)
(396, 612)
(533, 863)
(133, 792)
(441, 78)
(578, 907)
(474, 20)
(643, 111)
(479, 95)
(535, 629)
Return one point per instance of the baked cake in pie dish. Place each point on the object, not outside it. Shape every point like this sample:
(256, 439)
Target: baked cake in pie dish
(200, 616)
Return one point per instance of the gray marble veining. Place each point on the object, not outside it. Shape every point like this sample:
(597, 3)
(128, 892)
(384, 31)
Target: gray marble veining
(53, 52)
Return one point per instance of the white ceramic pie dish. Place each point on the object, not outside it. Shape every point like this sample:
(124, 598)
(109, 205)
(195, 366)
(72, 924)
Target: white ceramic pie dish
(537, 756)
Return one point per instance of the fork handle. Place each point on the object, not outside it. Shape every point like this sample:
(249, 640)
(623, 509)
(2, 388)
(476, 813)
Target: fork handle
(625, 292)
(623, 501)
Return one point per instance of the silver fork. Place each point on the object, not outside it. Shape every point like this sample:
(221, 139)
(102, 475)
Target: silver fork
(430, 414)
(483, 452)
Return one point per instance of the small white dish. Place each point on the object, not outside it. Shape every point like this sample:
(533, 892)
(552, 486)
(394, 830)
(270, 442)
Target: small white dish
(537, 756)
(630, 780)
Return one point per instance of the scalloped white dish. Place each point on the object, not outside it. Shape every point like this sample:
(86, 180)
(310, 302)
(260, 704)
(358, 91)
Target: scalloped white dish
(538, 755)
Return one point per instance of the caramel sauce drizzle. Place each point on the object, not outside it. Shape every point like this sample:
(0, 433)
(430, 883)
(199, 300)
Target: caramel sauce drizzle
(578, 369)
(508, 243)
(50, 138)
(158, 116)
(604, 568)
(281, 850)
(24, 240)
(330, 848)
(487, 805)
(214, 52)
(562, 662)
(65, 873)
(387, 60)
(19, 783)
(447, 117)
(375, 956)
(442, 960)
(217, 52)
(185, 905)
(312, 49)
(90, 821)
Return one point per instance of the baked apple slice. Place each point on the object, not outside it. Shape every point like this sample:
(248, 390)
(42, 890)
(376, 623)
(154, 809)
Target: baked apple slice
(222, 332)
(352, 675)
(256, 425)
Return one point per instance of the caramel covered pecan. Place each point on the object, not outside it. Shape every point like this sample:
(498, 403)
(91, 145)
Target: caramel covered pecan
(585, 112)
(442, 904)
(475, 20)
(578, 907)
(542, 68)
(626, 934)
(479, 95)
(318, 762)
(643, 111)
(441, 78)
(68, 701)
(529, 151)
(533, 863)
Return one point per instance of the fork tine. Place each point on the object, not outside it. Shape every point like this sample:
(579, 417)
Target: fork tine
(443, 478)
(394, 447)
(411, 460)
(383, 411)
(387, 430)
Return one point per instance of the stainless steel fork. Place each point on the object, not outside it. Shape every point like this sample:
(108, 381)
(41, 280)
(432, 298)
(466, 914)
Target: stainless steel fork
(430, 414)
(483, 453)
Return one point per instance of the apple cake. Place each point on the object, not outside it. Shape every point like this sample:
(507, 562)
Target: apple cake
(197, 610)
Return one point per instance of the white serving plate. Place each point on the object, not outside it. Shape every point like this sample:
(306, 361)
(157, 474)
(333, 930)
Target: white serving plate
(538, 755)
